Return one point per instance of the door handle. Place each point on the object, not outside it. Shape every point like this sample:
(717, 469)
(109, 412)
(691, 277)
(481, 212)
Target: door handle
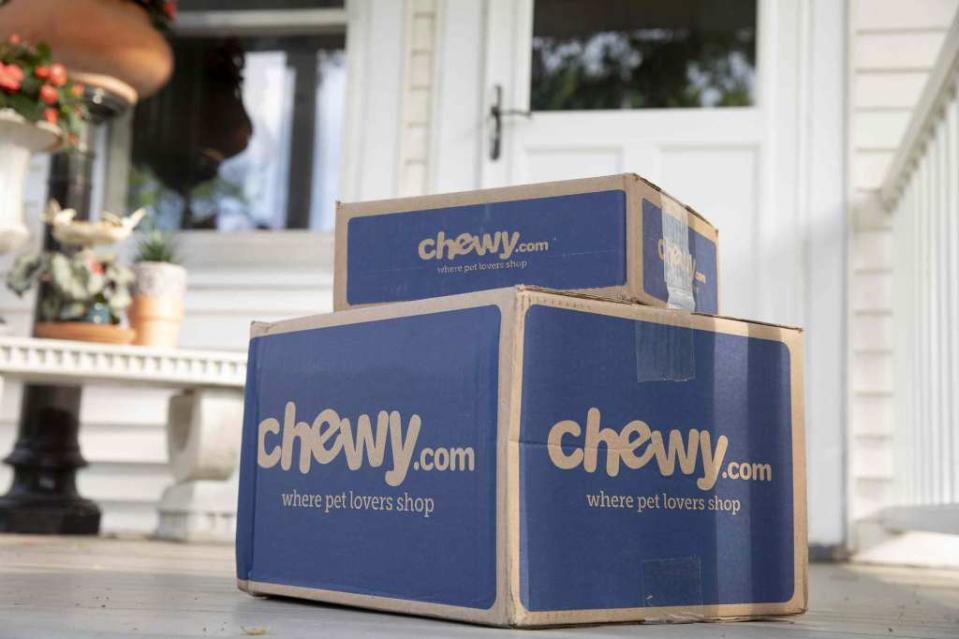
(496, 113)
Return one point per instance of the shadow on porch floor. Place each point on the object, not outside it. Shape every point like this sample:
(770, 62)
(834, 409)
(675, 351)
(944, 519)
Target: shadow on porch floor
(76, 587)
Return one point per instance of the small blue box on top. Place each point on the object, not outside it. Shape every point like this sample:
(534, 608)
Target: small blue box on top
(619, 236)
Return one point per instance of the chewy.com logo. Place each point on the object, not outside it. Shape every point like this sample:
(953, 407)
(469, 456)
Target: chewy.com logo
(330, 436)
(502, 244)
(636, 444)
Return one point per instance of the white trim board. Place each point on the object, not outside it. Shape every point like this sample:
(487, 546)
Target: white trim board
(260, 22)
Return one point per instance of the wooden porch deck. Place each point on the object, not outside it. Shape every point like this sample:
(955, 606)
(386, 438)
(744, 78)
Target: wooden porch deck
(53, 587)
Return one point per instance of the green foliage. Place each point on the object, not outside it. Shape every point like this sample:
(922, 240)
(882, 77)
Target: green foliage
(206, 199)
(38, 90)
(144, 190)
(73, 286)
(157, 246)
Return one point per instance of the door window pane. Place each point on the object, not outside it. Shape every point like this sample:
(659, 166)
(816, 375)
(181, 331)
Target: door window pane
(246, 135)
(643, 54)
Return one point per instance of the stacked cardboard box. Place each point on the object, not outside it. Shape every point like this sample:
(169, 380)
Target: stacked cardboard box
(514, 429)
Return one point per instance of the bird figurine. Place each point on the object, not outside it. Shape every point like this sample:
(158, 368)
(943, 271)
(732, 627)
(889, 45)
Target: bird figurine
(109, 229)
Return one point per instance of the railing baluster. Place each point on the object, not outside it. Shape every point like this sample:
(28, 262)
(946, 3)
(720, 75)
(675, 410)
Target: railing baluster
(952, 118)
(918, 325)
(935, 324)
(904, 298)
(943, 332)
(910, 263)
(925, 341)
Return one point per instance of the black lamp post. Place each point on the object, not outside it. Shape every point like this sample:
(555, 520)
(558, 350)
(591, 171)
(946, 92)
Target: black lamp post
(43, 498)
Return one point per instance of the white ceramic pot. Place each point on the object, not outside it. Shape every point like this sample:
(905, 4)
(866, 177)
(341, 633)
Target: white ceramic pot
(19, 139)
(156, 312)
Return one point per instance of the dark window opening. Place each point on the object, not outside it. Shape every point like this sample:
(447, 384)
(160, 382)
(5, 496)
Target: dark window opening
(632, 54)
(246, 135)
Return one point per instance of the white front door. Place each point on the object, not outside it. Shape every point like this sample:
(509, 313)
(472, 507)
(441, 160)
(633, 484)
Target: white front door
(719, 160)
(769, 174)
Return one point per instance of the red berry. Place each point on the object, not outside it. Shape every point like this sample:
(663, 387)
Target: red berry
(10, 77)
(58, 75)
(48, 94)
(51, 115)
(42, 72)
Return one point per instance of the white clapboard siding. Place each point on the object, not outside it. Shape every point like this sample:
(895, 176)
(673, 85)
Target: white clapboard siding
(899, 16)
(893, 47)
(418, 96)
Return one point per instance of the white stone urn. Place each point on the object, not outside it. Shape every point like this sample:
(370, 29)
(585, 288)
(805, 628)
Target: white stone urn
(19, 139)
(156, 312)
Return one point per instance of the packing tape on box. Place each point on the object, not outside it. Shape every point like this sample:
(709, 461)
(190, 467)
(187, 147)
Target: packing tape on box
(678, 271)
(671, 580)
(665, 353)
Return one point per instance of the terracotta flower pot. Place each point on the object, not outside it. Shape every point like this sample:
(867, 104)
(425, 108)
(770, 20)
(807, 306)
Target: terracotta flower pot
(84, 332)
(18, 140)
(98, 41)
(157, 309)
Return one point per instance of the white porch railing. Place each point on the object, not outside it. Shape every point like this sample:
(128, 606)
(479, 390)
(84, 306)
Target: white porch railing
(921, 192)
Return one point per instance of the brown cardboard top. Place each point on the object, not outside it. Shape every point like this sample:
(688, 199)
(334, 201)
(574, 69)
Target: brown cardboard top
(505, 297)
(482, 196)
(505, 194)
(656, 187)
(629, 303)
(499, 296)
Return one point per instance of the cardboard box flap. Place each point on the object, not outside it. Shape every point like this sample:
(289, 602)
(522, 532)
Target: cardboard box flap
(627, 302)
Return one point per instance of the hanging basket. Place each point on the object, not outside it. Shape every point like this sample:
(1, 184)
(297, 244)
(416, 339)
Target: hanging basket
(101, 41)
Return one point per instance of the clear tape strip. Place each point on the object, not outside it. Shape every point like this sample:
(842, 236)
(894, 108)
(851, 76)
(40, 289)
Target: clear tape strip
(664, 352)
(678, 271)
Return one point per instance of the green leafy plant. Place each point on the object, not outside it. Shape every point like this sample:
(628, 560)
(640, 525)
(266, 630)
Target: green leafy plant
(157, 246)
(37, 89)
(77, 287)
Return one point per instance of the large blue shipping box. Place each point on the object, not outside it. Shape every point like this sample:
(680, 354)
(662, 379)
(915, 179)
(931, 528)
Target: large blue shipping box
(618, 236)
(524, 457)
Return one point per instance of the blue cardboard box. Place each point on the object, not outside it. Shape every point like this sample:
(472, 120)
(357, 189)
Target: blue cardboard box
(618, 236)
(528, 458)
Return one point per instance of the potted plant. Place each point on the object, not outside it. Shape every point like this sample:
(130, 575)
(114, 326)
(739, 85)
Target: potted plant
(159, 286)
(40, 109)
(82, 294)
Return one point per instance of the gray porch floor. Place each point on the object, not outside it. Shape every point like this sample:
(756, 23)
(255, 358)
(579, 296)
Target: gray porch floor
(75, 587)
